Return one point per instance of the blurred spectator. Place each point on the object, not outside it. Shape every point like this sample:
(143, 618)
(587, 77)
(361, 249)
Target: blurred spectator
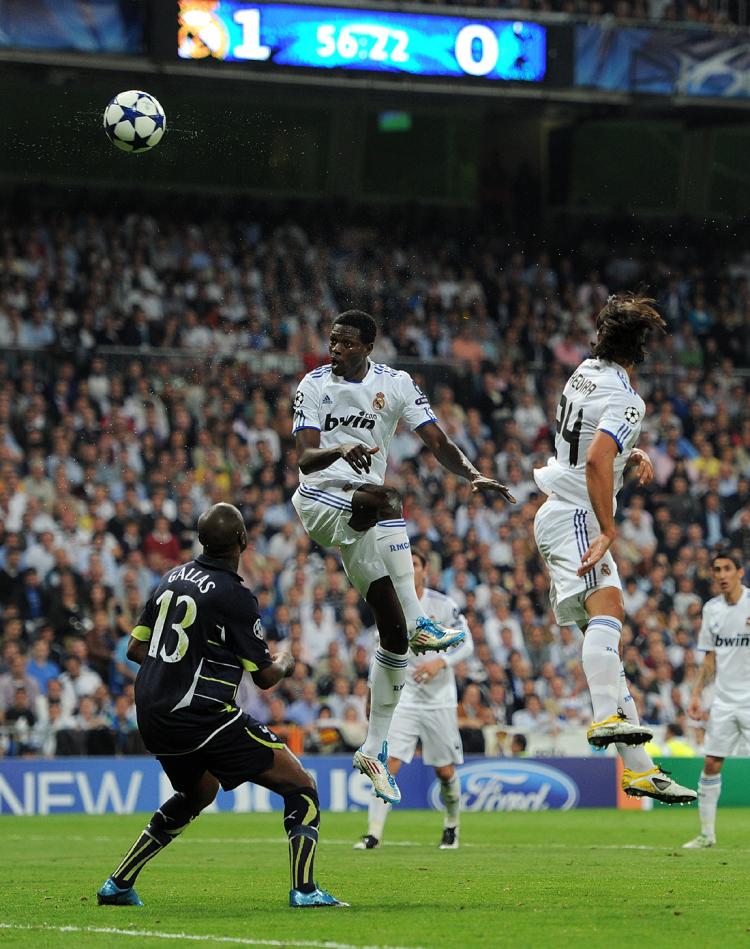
(17, 677)
(40, 667)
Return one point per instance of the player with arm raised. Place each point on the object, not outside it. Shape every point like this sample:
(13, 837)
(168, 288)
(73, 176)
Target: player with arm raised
(725, 640)
(198, 633)
(345, 415)
(598, 423)
(427, 713)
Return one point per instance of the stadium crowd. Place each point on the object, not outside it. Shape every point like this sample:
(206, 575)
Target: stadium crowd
(148, 370)
(708, 12)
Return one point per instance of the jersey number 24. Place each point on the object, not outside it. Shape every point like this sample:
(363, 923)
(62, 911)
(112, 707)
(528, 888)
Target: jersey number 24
(571, 435)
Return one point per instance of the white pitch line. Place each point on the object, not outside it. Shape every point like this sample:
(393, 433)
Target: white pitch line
(186, 839)
(194, 937)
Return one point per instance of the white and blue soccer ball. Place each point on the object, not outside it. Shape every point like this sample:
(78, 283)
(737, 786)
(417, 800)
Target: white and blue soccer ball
(134, 121)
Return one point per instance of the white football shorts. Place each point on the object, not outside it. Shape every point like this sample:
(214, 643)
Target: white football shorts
(436, 728)
(325, 512)
(727, 724)
(563, 532)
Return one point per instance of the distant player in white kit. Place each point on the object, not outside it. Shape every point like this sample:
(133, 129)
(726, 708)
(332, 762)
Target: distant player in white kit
(598, 423)
(725, 640)
(427, 713)
(345, 415)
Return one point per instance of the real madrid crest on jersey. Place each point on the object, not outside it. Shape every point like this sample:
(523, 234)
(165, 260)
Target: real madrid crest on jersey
(378, 403)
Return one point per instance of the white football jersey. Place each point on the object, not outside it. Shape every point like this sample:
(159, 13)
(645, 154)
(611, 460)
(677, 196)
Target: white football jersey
(597, 397)
(366, 412)
(440, 691)
(725, 630)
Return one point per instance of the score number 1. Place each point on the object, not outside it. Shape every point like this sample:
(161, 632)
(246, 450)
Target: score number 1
(251, 46)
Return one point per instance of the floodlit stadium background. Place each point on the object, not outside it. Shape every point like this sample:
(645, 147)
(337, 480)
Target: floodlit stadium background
(479, 179)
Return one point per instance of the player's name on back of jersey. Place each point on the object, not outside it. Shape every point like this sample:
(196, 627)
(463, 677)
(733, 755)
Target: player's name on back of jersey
(192, 575)
(581, 384)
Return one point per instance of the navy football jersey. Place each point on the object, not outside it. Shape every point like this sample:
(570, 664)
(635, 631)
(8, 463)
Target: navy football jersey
(204, 630)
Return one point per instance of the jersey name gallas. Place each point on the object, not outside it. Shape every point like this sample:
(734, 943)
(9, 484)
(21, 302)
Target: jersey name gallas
(725, 630)
(597, 397)
(367, 412)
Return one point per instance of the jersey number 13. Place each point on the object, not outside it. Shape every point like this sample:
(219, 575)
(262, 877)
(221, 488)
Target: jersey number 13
(188, 618)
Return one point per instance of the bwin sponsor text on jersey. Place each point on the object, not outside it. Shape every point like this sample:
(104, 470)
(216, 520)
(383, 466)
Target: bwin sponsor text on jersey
(361, 420)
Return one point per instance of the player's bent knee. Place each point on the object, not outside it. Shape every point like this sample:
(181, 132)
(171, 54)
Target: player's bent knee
(390, 505)
(712, 765)
(203, 794)
(445, 773)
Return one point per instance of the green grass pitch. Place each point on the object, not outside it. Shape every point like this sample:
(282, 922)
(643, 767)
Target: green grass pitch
(581, 878)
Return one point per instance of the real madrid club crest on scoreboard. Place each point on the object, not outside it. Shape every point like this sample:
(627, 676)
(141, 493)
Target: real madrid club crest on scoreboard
(365, 40)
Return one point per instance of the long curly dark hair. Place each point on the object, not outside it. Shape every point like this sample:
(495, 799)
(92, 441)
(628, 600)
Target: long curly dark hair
(623, 327)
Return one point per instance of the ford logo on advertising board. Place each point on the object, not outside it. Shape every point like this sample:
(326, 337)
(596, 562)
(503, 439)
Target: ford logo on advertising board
(511, 785)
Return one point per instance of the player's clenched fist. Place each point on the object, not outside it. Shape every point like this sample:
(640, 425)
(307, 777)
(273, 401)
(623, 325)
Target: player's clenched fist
(357, 455)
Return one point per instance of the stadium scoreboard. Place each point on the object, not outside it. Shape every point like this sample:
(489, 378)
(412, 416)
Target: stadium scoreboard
(388, 42)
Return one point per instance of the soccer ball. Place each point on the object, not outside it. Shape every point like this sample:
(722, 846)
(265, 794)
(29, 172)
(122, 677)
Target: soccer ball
(134, 121)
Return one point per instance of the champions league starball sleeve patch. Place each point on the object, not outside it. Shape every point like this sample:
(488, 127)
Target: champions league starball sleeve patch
(632, 415)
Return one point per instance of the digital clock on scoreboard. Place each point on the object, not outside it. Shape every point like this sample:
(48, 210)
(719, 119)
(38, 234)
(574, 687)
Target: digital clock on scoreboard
(320, 37)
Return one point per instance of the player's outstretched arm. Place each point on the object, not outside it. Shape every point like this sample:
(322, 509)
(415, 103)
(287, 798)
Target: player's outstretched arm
(311, 457)
(451, 457)
(600, 482)
(281, 668)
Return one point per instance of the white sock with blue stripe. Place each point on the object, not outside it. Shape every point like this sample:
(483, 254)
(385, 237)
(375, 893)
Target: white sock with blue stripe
(601, 664)
(387, 677)
(395, 549)
(709, 789)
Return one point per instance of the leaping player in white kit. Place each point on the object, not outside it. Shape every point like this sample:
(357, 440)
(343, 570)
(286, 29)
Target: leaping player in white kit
(427, 713)
(725, 640)
(345, 415)
(598, 423)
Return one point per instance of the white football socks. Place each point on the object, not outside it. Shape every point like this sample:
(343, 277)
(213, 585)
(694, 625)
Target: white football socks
(633, 757)
(387, 677)
(450, 795)
(601, 664)
(709, 789)
(395, 549)
(377, 813)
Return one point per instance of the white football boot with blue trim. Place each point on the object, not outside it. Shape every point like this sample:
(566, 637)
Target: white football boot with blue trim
(376, 769)
(431, 636)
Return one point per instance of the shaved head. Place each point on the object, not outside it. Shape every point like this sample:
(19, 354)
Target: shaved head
(221, 530)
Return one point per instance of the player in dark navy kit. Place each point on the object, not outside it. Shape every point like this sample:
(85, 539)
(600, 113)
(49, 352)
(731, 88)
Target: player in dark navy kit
(198, 633)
